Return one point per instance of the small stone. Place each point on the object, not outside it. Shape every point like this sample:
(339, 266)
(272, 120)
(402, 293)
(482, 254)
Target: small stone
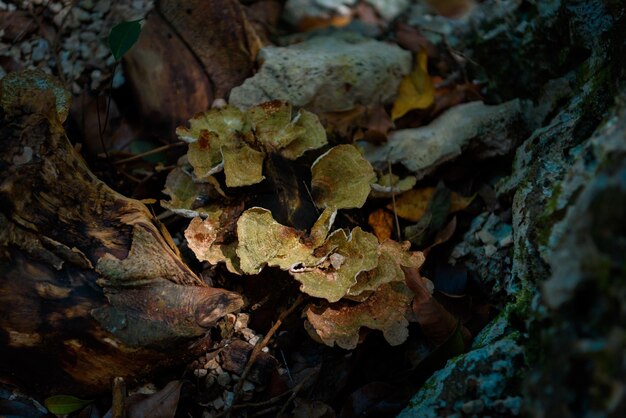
(76, 88)
(101, 51)
(81, 15)
(55, 7)
(40, 50)
(102, 6)
(473, 407)
(96, 75)
(26, 48)
(85, 51)
(209, 381)
(224, 379)
(87, 4)
(200, 372)
(242, 319)
(95, 26)
(218, 403)
(255, 339)
(486, 237)
(212, 364)
(228, 398)
(506, 241)
(25, 157)
(248, 386)
(219, 103)
(87, 36)
(490, 250)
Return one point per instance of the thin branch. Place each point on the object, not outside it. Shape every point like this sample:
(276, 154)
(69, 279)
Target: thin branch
(260, 345)
(152, 151)
(393, 202)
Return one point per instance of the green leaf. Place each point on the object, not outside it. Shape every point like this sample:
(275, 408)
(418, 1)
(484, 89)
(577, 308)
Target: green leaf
(123, 36)
(65, 404)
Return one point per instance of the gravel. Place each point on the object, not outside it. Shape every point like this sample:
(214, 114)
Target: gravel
(67, 35)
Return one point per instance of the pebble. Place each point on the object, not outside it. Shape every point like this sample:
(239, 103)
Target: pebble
(87, 36)
(248, 386)
(87, 4)
(473, 407)
(102, 6)
(212, 364)
(490, 250)
(218, 403)
(228, 398)
(224, 379)
(200, 372)
(40, 50)
(26, 48)
(84, 54)
(242, 320)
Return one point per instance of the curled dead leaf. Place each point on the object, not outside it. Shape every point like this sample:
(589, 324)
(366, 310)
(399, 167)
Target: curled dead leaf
(341, 323)
(341, 178)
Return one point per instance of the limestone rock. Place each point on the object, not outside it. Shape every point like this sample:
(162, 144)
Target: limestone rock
(326, 73)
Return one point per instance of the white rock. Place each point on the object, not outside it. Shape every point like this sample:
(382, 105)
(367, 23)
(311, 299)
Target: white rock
(326, 73)
(200, 372)
(487, 131)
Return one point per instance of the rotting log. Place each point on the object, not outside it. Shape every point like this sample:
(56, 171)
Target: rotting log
(91, 285)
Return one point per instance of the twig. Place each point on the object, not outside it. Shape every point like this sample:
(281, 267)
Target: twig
(259, 346)
(152, 151)
(119, 398)
(393, 202)
(311, 197)
(294, 393)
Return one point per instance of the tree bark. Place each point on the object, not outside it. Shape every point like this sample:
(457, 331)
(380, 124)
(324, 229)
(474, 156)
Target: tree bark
(91, 285)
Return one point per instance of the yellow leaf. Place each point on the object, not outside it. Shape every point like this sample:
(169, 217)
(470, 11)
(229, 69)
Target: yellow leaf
(416, 90)
(412, 205)
(381, 222)
(459, 203)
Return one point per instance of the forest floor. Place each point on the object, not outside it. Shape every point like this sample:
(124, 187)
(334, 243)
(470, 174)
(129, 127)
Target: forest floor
(390, 121)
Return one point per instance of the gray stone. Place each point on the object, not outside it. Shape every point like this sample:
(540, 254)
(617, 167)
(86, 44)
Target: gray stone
(485, 131)
(41, 49)
(297, 9)
(326, 74)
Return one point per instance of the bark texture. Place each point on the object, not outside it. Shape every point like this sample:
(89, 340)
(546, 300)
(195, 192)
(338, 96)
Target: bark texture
(91, 285)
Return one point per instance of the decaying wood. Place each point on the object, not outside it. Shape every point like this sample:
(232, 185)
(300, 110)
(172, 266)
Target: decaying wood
(91, 286)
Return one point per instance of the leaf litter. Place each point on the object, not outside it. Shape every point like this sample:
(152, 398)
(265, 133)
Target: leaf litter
(357, 284)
